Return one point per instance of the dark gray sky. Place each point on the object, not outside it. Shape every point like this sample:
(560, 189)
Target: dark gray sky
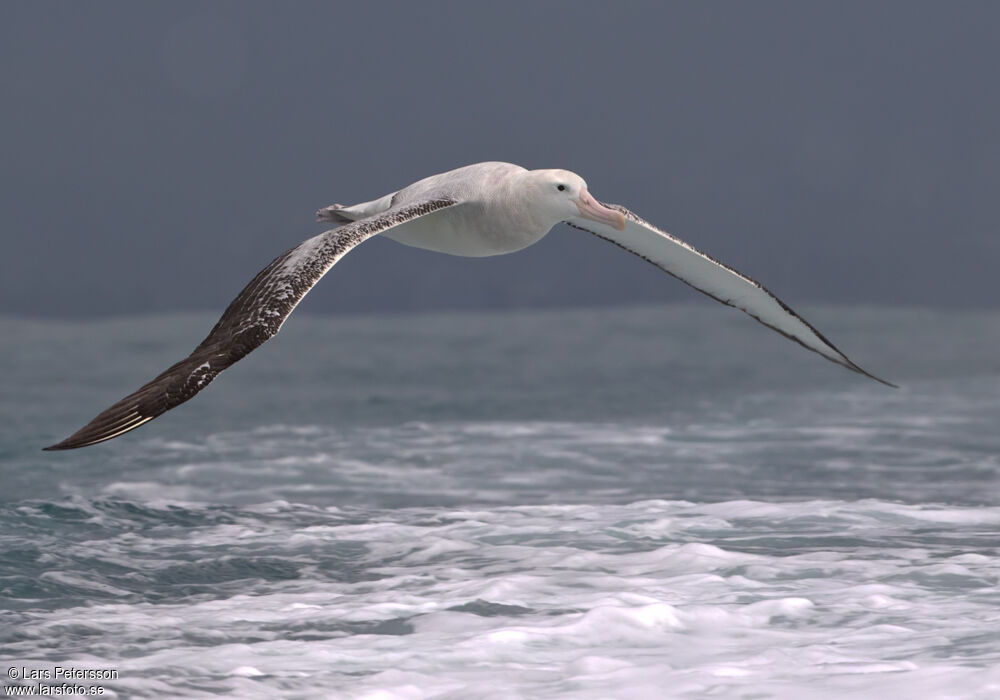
(156, 155)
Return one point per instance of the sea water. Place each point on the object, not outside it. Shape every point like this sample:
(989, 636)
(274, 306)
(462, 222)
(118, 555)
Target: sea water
(666, 502)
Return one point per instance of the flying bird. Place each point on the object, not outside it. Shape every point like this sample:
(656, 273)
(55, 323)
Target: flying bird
(479, 210)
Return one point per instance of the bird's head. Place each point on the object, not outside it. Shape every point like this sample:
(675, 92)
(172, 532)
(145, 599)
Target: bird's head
(561, 195)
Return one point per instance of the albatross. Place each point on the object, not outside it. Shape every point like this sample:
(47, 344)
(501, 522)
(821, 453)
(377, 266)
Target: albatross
(482, 209)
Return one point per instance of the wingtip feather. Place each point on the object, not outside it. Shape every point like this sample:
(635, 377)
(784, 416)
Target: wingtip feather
(868, 374)
(99, 430)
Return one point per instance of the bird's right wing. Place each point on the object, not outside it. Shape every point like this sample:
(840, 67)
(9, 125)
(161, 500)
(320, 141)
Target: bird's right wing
(717, 280)
(254, 316)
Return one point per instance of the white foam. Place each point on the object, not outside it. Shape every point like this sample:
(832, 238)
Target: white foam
(558, 601)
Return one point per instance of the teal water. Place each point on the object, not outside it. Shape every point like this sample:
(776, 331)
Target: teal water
(638, 502)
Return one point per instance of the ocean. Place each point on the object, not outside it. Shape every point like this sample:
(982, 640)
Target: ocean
(639, 502)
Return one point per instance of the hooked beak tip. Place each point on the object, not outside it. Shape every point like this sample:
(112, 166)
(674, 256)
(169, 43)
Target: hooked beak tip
(591, 209)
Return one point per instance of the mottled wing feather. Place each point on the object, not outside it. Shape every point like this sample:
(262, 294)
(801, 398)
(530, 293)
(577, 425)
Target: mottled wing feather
(717, 280)
(254, 316)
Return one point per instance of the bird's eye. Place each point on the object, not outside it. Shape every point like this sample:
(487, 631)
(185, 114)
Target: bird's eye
(561, 188)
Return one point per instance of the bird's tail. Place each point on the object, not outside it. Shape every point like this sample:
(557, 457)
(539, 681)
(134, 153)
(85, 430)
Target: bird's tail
(334, 214)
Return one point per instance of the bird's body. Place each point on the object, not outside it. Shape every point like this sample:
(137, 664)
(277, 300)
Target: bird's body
(491, 219)
(479, 210)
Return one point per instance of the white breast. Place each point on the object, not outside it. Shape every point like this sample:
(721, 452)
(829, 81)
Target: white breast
(470, 230)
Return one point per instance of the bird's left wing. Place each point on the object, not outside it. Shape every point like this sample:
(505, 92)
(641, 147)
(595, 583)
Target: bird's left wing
(717, 280)
(253, 317)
